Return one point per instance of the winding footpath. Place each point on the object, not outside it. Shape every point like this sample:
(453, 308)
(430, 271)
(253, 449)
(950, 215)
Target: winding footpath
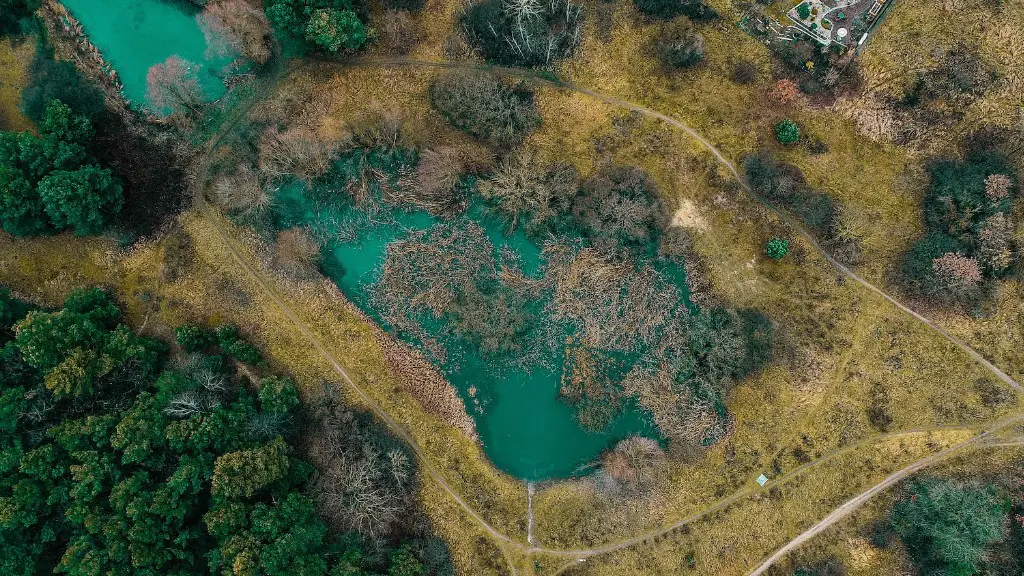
(280, 73)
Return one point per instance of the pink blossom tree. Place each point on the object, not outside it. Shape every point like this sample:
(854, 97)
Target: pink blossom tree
(174, 85)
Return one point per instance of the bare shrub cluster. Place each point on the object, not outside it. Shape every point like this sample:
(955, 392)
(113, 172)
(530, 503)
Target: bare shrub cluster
(296, 151)
(365, 479)
(526, 189)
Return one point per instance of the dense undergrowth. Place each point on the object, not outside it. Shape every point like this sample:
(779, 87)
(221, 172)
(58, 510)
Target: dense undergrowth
(598, 296)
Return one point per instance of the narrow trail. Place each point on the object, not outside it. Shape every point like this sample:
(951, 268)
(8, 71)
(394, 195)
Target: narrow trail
(505, 542)
(850, 505)
(722, 159)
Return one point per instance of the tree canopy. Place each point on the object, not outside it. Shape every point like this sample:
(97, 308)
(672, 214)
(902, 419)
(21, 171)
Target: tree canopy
(330, 25)
(110, 463)
(49, 183)
(946, 526)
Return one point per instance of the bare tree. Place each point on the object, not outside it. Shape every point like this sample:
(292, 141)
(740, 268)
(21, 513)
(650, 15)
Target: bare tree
(174, 85)
(435, 184)
(296, 254)
(296, 151)
(526, 188)
(241, 192)
(235, 27)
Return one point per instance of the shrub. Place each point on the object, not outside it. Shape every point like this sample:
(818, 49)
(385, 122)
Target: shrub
(296, 254)
(997, 187)
(438, 186)
(958, 198)
(946, 527)
(787, 132)
(803, 10)
(784, 91)
(526, 191)
(405, 5)
(918, 269)
(234, 27)
(399, 32)
(481, 105)
(194, 338)
(777, 248)
(678, 45)
(620, 210)
(523, 32)
(744, 72)
(232, 343)
(695, 10)
(637, 462)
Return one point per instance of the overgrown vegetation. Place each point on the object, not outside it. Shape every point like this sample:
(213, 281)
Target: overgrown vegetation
(13, 12)
(784, 185)
(485, 107)
(946, 527)
(114, 462)
(50, 183)
(969, 239)
(695, 10)
(524, 32)
(678, 45)
(330, 25)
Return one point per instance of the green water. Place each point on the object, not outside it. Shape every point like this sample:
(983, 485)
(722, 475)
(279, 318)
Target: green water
(133, 35)
(525, 429)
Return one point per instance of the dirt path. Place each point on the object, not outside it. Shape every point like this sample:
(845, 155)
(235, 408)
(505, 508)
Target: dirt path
(722, 159)
(503, 540)
(850, 505)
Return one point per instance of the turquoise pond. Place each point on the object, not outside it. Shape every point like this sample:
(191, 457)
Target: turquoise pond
(525, 429)
(133, 35)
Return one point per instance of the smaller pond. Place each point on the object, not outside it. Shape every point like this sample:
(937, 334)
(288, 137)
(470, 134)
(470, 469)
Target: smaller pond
(524, 426)
(133, 35)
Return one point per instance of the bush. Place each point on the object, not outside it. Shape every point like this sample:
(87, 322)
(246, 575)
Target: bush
(695, 10)
(194, 338)
(620, 210)
(678, 45)
(744, 72)
(787, 132)
(482, 106)
(946, 527)
(526, 191)
(232, 343)
(406, 5)
(968, 236)
(803, 10)
(525, 32)
(777, 248)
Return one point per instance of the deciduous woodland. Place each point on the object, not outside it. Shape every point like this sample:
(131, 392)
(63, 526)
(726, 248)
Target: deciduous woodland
(420, 287)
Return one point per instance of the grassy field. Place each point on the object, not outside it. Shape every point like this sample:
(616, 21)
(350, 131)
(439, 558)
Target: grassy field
(843, 356)
(14, 60)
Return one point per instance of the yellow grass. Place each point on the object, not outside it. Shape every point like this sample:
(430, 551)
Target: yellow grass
(14, 61)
